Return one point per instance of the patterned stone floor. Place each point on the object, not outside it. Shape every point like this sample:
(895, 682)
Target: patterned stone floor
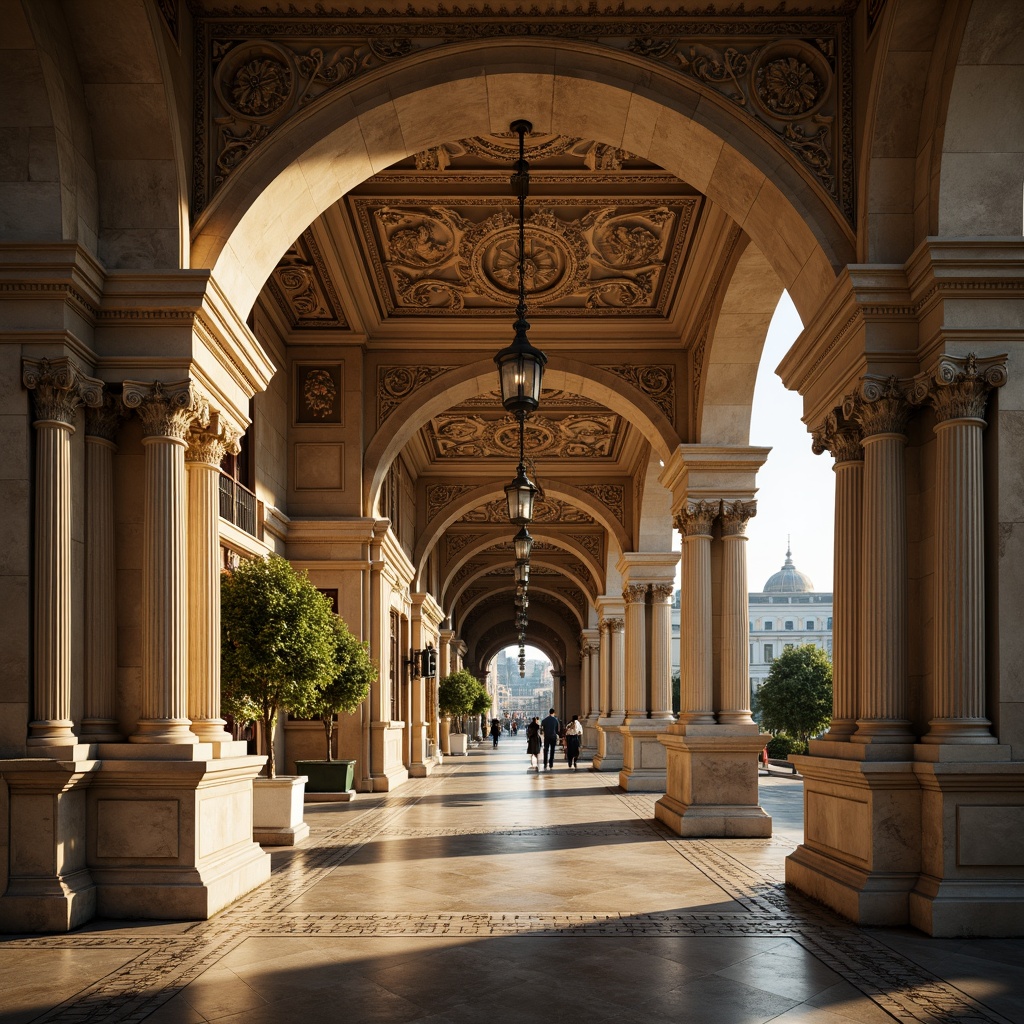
(485, 891)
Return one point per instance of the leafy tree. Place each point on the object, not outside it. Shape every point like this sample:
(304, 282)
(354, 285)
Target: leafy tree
(349, 686)
(796, 698)
(481, 703)
(456, 694)
(277, 643)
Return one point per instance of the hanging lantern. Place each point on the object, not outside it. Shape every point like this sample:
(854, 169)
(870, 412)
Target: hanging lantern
(522, 544)
(520, 494)
(522, 572)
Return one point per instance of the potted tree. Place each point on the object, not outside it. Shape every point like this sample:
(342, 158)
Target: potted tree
(277, 650)
(481, 704)
(455, 696)
(348, 688)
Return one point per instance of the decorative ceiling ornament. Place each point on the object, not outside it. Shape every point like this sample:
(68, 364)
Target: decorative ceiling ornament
(571, 437)
(658, 383)
(462, 257)
(503, 147)
(396, 383)
(612, 496)
(304, 289)
(441, 496)
(545, 510)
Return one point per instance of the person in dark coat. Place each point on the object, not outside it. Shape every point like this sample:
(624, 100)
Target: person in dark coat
(573, 741)
(533, 743)
(551, 728)
(495, 731)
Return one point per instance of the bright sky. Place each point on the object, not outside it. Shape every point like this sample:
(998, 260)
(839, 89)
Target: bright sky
(796, 488)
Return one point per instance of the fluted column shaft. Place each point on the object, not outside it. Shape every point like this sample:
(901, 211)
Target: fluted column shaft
(98, 721)
(167, 412)
(958, 390)
(584, 677)
(696, 686)
(58, 388)
(599, 673)
(617, 668)
(661, 651)
(735, 696)
(883, 692)
(206, 449)
(636, 650)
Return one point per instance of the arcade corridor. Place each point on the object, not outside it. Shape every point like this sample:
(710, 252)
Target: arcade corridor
(485, 892)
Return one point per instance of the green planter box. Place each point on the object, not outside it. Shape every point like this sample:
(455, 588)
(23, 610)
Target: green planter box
(327, 776)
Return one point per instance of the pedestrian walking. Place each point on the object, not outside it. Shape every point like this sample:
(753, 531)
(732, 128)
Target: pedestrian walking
(495, 731)
(550, 726)
(533, 743)
(573, 741)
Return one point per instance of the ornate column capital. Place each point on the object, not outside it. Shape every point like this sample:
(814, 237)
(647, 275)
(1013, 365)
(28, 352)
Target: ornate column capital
(104, 420)
(615, 625)
(166, 410)
(957, 388)
(735, 515)
(59, 387)
(661, 593)
(696, 517)
(879, 406)
(210, 444)
(839, 437)
(634, 593)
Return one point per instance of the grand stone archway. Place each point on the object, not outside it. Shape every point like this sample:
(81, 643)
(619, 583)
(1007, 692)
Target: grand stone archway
(284, 286)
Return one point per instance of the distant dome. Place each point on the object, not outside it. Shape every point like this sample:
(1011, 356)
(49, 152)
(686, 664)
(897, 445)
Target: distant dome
(789, 579)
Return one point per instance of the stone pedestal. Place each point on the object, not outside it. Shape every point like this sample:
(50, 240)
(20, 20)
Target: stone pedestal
(643, 756)
(49, 887)
(862, 836)
(712, 782)
(277, 810)
(609, 745)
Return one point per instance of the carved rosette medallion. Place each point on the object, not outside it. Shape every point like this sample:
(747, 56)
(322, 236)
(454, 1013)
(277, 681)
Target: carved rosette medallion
(696, 518)
(166, 410)
(58, 388)
(635, 593)
(880, 407)
(840, 437)
(735, 516)
(958, 388)
(791, 80)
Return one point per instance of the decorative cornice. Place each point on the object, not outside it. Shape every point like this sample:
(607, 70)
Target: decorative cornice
(166, 410)
(59, 387)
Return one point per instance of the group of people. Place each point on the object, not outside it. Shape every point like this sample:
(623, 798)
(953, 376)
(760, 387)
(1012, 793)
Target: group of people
(542, 737)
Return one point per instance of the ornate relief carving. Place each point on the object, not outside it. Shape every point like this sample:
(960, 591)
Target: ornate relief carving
(571, 437)
(469, 569)
(456, 542)
(58, 388)
(166, 410)
(657, 383)
(612, 496)
(396, 383)
(104, 420)
(879, 407)
(592, 543)
(615, 625)
(463, 257)
(661, 593)
(839, 436)
(545, 510)
(574, 597)
(212, 444)
(696, 518)
(635, 593)
(735, 516)
(958, 388)
(440, 496)
(318, 393)
(303, 287)
(255, 72)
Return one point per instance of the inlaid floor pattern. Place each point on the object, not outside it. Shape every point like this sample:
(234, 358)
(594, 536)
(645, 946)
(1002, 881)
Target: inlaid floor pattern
(486, 892)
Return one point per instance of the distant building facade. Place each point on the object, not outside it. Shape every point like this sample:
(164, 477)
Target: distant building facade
(787, 612)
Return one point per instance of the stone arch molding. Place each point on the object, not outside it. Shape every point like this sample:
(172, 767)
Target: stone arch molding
(479, 87)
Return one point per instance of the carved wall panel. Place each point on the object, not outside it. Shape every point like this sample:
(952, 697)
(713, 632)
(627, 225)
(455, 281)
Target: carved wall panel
(584, 256)
(791, 72)
(318, 393)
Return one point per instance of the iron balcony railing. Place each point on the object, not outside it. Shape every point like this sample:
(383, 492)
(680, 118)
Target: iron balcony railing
(238, 505)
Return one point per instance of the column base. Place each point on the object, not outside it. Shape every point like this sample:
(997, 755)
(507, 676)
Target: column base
(711, 784)
(644, 764)
(609, 746)
(420, 771)
(861, 852)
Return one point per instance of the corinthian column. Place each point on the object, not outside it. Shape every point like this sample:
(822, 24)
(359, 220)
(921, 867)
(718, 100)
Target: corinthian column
(206, 449)
(881, 410)
(696, 691)
(586, 668)
(661, 651)
(599, 674)
(735, 709)
(167, 412)
(617, 668)
(101, 426)
(842, 439)
(958, 390)
(58, 388)
(635, 594)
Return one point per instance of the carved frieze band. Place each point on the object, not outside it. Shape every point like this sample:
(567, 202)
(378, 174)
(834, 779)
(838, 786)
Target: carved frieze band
(254, 73)
(396, 383)
(569, 437)
(166, 410)
(59, 387)
(545, 510)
